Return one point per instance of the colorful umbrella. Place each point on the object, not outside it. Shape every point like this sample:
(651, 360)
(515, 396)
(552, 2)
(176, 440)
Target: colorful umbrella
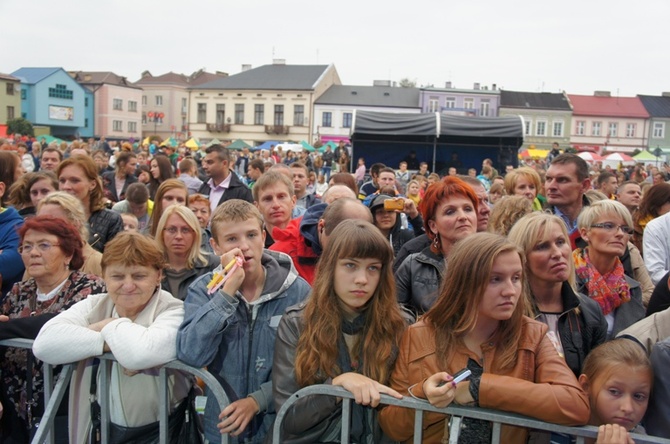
(590, 157)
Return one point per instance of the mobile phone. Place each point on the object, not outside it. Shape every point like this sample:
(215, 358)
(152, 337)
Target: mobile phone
(393, 204)
(458, 377)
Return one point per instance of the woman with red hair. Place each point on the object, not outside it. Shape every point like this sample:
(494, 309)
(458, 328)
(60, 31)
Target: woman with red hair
(449, 210)
(51, 250)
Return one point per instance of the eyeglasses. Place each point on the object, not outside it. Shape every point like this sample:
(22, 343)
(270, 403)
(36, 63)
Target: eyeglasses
(612, 228)
(42, 247)
(174, 230)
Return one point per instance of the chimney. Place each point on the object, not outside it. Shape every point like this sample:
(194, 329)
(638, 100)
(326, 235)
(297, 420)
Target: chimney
(602, 94)
(381, 83)
(665, 94)
(246, 67)
(279, 61)
(448, 85)
(494, 87)
(476, 87)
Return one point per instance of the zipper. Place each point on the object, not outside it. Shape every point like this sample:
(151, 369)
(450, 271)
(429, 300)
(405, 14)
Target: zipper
(251, 319)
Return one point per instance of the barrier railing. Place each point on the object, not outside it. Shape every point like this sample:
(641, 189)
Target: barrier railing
(457, 414)
(53, 395)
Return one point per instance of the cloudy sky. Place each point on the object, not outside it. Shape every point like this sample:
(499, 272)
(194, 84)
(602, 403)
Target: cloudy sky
(574, 45)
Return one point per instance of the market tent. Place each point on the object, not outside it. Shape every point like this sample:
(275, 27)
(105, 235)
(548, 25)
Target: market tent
(193, 143)
(646, 157)
(330, 143)
(239, 144)
(389, 138)
(266, 145)
(171, 141)
(146, 141)
(214, 141)
(307, 146)
(533, 153)
(590, 157)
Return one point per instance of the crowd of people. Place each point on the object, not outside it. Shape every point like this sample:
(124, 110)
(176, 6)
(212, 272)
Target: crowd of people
(549, 284)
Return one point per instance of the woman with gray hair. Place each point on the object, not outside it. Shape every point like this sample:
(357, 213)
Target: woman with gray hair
(606, 226)
(178, 236)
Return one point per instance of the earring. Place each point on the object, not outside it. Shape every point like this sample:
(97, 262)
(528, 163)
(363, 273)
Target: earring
(436, 242)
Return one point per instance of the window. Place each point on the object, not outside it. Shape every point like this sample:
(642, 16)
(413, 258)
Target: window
(23, 94)
(279, 115)
(144, 100)
(85, 101)
(239, 114)
(117, 104)
(220, 113)
(85, 123)
(61, 92)
(433, 104)
(10, 112)
(484, 107)
(659, 130)
(184, 105)
(558, 129)
(259, 114)
(595, 128)
(612, 129)
(451, 102)
(159, 100)
(117, 125)
(144, 118)
(528, 130)
(10, 89)
(346, 120)
(580, 128)
(630, 130)
(299, 115)
(469, 103)
(541, 128)
(202, 113)
(132, 106)
(132, 127)
(327, 119)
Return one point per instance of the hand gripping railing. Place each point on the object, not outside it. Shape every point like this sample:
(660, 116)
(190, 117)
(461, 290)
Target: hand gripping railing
(457, 414)
(54, 395)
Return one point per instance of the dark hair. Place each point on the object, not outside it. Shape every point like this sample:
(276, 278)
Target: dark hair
(124, 158)
(300, 165)
(604, 177)
(375, 168)
(580, 164)
(654, 198)
(69, 239)
(49, 149)
(259, 164)
(221, 151)
(137, 193)
(386, 170)
(9, 161)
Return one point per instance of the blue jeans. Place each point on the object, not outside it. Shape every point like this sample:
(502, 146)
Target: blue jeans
(326, 172)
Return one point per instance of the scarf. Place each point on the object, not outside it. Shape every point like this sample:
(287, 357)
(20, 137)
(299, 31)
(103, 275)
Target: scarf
(609, 290)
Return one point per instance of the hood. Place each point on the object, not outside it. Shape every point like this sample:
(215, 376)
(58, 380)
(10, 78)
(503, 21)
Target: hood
(308, 226)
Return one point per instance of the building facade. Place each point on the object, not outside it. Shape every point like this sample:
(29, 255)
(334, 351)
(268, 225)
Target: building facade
(334, 110)
(607, 124)
(165, 102)
(547, 117)
(10, 98)
(52, 99)
(271, 102)
(659, 121)
(116, 104)
(480, 101)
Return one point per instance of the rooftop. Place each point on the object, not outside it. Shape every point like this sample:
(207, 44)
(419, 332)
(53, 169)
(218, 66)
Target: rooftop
(101, 78)
(34, 75)
(381, 96)
(272, 77)
(604, 105)
(656, 106)
(534, 100)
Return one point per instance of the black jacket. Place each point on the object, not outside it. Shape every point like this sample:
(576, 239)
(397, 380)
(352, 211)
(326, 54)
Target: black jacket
(109, 185)
(418, 280)
(103, 225)
(581, 327)
(236, 190)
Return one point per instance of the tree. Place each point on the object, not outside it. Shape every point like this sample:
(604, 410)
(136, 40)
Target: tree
(20, 126)
(406, 82)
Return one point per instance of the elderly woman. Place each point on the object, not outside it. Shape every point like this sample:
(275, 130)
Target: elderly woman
(51, 250)
(606, 226)
(449, 210)
(576, 323)
(179, 240)
(524, 181)
(137, 322)
(170, 192)
(67, 207)
(78, 176)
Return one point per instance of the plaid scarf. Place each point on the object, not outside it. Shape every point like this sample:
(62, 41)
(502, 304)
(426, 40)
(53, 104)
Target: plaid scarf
(609, 290)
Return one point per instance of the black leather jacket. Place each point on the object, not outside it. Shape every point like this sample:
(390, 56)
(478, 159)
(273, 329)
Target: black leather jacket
(103, 225)
(418, 280)
(581, 327)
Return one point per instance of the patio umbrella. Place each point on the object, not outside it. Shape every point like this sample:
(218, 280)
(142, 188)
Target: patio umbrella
(214, 141)
(620, 157)
(192, 143)
(238, 145)
(590, 157)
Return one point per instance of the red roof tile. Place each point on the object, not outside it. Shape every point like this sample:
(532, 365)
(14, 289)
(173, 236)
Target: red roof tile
(608, 106)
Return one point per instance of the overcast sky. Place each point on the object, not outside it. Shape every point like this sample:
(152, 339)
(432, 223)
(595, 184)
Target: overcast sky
(574, 45)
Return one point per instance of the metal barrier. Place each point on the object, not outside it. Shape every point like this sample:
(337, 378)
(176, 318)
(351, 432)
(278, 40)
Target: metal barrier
(54, 395)
(457, 414)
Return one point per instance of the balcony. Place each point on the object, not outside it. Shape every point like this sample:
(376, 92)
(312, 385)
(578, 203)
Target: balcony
(218, 127)
(276, 129)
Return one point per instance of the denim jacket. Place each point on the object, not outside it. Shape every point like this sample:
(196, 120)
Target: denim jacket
(235, 340)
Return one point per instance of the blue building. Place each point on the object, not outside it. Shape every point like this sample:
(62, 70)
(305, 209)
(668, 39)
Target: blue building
(51, 98)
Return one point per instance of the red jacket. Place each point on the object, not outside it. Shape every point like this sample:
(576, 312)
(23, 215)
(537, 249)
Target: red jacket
(289, 240)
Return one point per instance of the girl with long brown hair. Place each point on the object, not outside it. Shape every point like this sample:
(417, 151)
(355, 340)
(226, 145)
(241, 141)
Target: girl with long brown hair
(478, 323)
(345, 334)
